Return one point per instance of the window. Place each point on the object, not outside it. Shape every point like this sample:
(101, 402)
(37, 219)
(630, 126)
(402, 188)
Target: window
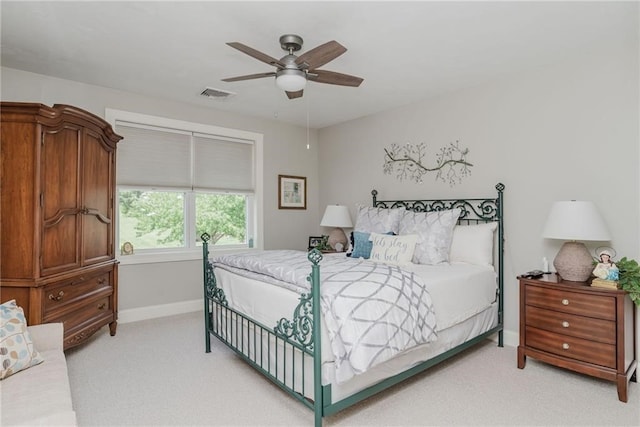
(177, 180)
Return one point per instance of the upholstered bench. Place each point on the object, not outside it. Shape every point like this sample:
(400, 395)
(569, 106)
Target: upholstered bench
(40, 394)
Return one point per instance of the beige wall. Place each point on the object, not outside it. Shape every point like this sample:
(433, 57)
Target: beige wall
(568, 131)
(285, 152)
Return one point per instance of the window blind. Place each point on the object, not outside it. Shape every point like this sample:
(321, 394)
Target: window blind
(160, 157)
(222, 164)
(153, 157)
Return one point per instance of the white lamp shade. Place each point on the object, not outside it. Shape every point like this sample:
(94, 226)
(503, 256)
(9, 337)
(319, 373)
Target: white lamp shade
(575, 220)
(336, 216)
(291, 80)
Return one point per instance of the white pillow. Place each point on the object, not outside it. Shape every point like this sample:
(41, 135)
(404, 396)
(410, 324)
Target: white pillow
(434, 230)
(397, 250)
(377, 220)
(473, 244)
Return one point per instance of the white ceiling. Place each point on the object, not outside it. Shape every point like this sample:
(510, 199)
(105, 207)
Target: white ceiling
(405, 51)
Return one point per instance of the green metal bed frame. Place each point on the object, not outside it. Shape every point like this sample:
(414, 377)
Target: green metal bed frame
(301, 333)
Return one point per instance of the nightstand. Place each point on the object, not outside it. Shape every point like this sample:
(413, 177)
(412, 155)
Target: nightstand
(578, 327)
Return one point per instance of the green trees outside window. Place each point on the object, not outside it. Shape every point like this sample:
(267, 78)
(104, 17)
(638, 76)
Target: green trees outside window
(152, 219)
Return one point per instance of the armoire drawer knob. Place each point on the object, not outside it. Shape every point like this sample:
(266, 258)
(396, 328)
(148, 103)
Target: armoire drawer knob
(56, 297)
(565, 324)
(565, 346)
(102, 306)
(565, 302)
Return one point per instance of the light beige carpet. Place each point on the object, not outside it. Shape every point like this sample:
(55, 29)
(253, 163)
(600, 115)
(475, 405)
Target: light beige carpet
(156, 372)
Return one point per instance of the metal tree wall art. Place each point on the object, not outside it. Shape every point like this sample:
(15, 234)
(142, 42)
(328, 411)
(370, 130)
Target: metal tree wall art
(408, 160)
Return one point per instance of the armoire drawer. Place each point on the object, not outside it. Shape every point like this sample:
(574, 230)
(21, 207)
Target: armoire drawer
(570, 324)
(571, 302)
(60, 295)
(93, 311)
(572, 347)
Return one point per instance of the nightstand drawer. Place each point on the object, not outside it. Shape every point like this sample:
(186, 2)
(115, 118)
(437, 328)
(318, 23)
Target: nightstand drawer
(571, 324)
(572, 347)
(571, 302)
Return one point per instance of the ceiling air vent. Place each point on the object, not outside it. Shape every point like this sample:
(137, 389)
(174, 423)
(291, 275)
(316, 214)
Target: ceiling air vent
(217, 94)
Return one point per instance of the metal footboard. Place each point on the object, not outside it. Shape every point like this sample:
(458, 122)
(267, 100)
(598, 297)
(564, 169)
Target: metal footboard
(279, 353)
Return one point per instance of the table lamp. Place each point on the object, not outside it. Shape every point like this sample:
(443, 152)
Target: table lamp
(337, 216)
(575, 220)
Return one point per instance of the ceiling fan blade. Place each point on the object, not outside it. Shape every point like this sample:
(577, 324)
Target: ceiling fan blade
(294, 95)
(333, 78)
(256, 54)
(249, 77)
(318, 56)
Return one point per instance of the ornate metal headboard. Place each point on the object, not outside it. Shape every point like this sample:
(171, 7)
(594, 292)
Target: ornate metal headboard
(473, 210)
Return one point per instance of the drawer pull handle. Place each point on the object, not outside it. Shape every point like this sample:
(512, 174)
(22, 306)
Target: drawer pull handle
(565, 346)
(101, 281)
(565, 324)
(57, 297)
(565, 302)
(102, 306)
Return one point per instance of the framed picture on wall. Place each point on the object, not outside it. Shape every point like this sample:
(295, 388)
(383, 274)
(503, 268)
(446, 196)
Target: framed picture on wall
(292, 192)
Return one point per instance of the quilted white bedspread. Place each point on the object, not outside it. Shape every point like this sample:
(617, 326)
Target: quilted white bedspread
(372, 311)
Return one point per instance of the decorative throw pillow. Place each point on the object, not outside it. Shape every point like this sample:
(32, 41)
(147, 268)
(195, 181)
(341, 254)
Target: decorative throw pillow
(362, 244)
(16, 347)
(473, 243)
(397, 250)
(377, 220)
(434, 230)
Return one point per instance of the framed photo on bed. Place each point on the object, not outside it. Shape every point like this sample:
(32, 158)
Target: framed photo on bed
(292, 192)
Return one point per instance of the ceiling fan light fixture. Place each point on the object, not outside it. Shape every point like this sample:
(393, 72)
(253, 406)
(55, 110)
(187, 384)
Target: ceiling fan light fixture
(291, 80)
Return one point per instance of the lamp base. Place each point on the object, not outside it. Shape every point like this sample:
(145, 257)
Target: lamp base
(573, 262)
(337, 236)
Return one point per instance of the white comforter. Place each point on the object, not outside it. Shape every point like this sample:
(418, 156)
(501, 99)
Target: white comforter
(372, 311)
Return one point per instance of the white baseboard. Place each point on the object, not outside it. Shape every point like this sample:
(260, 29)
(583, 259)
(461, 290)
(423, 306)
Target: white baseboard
(510, 338)
(155, 311)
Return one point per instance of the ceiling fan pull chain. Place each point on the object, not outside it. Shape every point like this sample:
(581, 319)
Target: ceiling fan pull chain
(307, 101)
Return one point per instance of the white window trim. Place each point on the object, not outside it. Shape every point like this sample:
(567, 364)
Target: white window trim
(112, 116)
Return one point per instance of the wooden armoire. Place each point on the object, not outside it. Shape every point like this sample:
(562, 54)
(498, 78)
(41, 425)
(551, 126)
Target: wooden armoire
(57, 217)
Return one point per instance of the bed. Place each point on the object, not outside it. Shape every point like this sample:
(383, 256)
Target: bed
(423, 282)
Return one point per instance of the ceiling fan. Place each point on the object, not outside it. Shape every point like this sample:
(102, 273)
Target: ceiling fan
(294, 71)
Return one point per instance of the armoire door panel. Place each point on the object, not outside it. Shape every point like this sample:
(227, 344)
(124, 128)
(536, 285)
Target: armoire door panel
(96, 239)
(60, 249)
(59, 171)
(60, 199)
(97, 183)
(18, 145)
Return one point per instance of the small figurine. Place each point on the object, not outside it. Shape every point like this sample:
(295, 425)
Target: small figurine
(606, 269)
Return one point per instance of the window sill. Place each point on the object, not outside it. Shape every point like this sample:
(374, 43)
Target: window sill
(162, 257)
